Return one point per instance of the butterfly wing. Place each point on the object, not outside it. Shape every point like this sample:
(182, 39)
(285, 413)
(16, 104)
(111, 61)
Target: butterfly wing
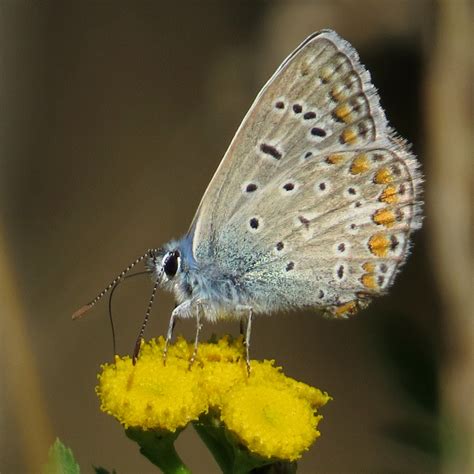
(314, 201)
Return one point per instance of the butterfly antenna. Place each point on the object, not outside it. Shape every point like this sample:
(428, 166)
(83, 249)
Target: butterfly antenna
(139, 340)
(111, 294)
(84, 309)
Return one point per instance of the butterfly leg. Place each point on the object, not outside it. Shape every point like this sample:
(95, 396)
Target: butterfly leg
(196, 337)
(169, 335)
(246, 330)
(247, 340)
(180, 311)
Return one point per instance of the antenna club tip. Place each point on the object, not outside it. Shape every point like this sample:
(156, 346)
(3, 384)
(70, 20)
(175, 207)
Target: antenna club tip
(81, 311)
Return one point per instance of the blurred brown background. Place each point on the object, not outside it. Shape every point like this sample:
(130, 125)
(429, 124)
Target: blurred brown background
(113, 118)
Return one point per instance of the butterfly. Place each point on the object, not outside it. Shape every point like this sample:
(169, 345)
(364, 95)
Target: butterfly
(312, 206)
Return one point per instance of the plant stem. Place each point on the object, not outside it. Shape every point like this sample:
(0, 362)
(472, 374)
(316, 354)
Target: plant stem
(159, 449)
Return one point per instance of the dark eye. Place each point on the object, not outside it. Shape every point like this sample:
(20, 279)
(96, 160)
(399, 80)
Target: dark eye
(170, 263)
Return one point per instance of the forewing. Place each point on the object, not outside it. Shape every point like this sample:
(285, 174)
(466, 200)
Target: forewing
(312, 166)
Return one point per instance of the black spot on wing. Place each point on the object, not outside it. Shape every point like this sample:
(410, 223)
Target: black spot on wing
(270, 150)
(340, 272)
(254, 223)
(297, 109)
(318, 132)
(304, 221)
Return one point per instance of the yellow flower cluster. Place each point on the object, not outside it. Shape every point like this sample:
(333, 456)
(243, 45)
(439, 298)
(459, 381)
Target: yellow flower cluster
(273, 415)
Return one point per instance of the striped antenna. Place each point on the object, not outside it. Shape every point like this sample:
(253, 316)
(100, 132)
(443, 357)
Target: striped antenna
(138, 343)
(84, 309)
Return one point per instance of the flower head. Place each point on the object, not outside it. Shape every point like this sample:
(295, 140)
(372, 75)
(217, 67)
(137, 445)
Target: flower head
(151, 395)
(270, 422)
(271, 414)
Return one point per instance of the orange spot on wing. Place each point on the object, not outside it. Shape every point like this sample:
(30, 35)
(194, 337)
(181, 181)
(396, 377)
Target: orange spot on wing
(389, 195)
(339, 92)
(326, 73)
(335, 159)
(349, 136)
(383, 176)
(368, 267)
(346, 309)
(379, 244)
(384, 217)
(343, 112)
(360, 164)
(368, 280)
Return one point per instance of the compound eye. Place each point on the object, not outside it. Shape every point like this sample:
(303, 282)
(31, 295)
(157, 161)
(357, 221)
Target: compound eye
(171, 263)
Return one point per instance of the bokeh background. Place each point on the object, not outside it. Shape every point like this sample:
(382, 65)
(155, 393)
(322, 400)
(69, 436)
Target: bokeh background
(113, 118)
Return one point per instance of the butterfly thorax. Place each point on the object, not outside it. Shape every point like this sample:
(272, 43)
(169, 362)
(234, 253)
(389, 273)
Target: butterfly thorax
(220, 291)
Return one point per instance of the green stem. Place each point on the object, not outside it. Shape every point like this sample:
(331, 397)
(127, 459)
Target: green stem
(229, 455)
(212, 434)
(159, 449)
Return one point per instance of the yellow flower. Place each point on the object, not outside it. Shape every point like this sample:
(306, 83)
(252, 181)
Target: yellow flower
(271, 414)
(271, 422)
(151, 395)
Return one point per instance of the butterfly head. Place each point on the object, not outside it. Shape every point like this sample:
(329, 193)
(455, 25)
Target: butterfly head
(164, 263)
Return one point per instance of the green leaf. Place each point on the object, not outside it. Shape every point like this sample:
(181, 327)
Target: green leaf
(60, 460)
